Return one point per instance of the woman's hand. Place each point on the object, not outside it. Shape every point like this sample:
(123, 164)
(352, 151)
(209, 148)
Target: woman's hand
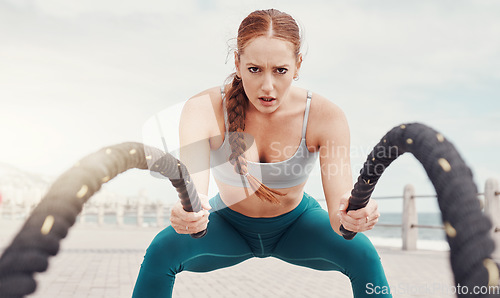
(185, 222)
(360, 220)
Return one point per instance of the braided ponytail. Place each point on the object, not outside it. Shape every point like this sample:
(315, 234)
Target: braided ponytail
(237, 103)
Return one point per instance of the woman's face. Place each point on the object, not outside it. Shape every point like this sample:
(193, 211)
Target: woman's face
(267, 67)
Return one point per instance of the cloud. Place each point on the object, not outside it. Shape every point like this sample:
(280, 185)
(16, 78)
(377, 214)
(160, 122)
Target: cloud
(63, 9)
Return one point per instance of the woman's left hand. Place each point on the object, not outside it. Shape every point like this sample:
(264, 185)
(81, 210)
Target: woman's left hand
(360, 220)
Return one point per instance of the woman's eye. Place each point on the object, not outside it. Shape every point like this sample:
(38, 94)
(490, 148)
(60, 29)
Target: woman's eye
(253, 69)
(281, 70)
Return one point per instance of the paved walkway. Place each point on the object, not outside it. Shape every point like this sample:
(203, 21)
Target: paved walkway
(104, 262)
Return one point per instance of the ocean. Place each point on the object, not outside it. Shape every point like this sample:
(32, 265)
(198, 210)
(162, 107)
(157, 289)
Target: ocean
(428, 219)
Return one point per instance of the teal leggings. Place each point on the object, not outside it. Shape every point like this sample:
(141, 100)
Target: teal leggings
(302, 236)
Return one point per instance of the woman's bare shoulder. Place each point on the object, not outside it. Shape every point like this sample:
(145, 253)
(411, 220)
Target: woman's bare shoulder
(326, 119)
(320, 105)
(204, 107)
(323, 107)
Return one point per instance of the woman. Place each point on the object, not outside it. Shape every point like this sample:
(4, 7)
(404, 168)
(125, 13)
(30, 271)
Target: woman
(260, 136)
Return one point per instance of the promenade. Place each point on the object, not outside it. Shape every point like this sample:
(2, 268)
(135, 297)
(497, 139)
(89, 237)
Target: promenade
(104, 261)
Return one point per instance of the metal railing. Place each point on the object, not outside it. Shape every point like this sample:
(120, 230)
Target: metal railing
(410, 226)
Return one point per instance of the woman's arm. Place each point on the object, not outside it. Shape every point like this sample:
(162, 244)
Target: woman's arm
(334, 145)
(194, 134)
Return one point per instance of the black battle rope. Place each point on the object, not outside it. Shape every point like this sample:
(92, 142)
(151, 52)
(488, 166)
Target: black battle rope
(50, 221)
(467, 228)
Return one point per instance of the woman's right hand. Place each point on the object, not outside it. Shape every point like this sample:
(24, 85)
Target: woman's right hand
(185, 222)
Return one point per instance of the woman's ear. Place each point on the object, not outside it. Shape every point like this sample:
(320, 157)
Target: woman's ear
(237, 63)
(299, 63)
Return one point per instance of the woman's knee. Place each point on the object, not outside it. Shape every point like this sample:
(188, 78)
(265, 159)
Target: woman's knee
(157, 275)
(370, 256)
(366, 263)
(164, 253)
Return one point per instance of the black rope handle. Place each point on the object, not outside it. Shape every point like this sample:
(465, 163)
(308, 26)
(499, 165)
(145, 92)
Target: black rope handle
(467, 228)
(50, 221)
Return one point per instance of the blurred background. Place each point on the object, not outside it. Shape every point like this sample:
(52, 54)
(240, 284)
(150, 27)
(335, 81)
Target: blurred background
(76, 76)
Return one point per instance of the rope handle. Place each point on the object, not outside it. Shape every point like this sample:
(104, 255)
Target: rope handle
(172, 168)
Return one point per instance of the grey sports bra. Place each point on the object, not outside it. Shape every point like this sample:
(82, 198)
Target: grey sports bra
(288, 173)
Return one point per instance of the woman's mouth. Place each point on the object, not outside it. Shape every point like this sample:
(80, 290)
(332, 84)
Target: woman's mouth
(265, 100)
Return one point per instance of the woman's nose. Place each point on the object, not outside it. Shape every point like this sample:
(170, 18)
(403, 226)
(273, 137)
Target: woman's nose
(267, 83)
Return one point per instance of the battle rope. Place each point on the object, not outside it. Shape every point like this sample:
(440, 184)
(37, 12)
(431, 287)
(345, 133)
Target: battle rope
(467, 228)
(50, 221)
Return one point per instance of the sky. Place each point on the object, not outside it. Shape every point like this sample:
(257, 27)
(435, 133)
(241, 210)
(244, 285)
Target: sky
(78, 76)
